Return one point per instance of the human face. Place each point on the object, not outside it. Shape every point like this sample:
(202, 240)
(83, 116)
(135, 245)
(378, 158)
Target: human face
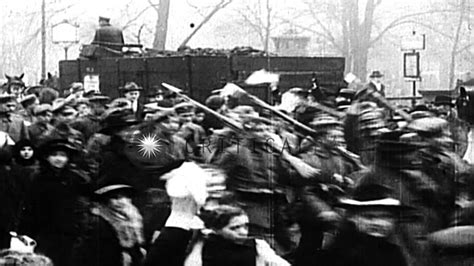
(185, 118)
(236, 230)
(119, 201)
(171, 124)
(26, 152)
(46, 117)
(377, 80)
(58, 159)
(377, 223)
(83, 110)
(16, 89)
(132, 95)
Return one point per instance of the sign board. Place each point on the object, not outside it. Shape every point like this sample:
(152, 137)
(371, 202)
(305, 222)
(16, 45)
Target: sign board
(413, 42)
(91, 83)
(411, 65)
(64, 33)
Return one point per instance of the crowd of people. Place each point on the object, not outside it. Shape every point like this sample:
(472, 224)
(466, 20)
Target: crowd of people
(314, 180)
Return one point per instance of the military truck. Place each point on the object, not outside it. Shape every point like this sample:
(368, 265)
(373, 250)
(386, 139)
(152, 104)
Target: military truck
(198, 74)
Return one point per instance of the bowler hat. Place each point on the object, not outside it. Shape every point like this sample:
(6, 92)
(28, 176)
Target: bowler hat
(130, 86)
(376, 74)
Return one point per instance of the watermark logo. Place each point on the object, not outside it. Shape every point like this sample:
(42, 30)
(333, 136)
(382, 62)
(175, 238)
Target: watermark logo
(149, 145)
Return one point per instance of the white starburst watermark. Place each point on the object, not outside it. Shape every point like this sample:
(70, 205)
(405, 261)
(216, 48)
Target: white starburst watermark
(149, 145)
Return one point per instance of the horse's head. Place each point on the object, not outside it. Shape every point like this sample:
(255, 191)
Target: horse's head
(52, 81)
(15, 84)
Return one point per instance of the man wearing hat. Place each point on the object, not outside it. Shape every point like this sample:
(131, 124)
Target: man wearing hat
(131, 91)
(325, 152)
(10, 123)
(399, 166)
(42, 124)
(375, 82)
(191, 132)
(365, 236)
(28, 103)
(445, 108)
(108, 36)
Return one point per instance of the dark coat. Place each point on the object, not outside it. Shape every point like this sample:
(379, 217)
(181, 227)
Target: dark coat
(56, 209)
(100, 246)
(169, 248)
(352, 248)
(110, 37)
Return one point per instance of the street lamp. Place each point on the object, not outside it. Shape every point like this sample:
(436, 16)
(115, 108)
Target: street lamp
(65, 33)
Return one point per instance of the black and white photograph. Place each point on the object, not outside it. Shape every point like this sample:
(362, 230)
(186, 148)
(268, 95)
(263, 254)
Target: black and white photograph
(237, 133)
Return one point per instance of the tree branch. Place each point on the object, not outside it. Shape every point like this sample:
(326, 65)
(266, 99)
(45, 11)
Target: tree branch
(396, 22)
(218, 7)
(130, 21)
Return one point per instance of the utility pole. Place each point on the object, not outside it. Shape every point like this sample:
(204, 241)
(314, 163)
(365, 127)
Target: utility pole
(43, 39)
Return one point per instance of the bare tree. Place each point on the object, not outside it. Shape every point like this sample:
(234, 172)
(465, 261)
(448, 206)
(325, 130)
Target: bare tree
(260, 23)
(454, 50)
(221, 5)
(161, 26)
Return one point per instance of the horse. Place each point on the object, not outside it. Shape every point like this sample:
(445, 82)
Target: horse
(52, 81)
(14, 85)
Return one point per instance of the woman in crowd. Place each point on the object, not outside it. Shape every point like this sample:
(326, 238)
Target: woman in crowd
(114, 233)
(227, 244)
(57, 203)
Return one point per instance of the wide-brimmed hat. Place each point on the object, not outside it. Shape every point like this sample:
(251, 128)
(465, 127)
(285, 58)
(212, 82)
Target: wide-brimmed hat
(376, 74)
(443, 100)
(118, 120)
(373, 196)
(57, 144)
(130, 86)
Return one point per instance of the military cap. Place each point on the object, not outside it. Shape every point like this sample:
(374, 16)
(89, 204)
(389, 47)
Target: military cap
(85, 101)
(185, 107)
(120, 103)
(347, 93)
(130, 86)
(98, 98)
(6, 98)
(429, 126)
(76, 87)
(28, 100)
(323, 121)
(214, 102)
(42, 108)
(58, 104)
(55, 144)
